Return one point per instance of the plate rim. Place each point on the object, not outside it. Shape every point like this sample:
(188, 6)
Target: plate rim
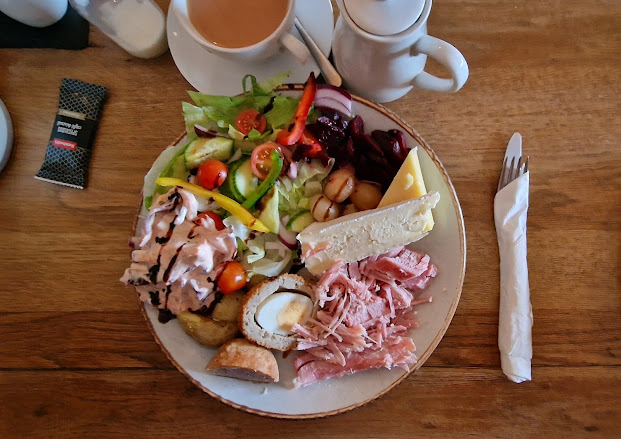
(434, 343)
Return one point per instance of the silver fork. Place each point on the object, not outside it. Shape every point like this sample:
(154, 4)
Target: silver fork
(513, 171)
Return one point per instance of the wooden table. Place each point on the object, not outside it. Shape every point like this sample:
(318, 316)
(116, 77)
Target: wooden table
(77, 360)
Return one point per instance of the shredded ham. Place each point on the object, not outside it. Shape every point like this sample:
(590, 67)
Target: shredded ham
(175, 261)
(314, 250)
(364, 311)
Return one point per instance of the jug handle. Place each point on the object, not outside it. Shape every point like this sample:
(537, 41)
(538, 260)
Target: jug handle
(449, 57)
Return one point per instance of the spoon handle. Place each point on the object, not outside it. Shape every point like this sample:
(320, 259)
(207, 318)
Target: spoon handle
(327, 69)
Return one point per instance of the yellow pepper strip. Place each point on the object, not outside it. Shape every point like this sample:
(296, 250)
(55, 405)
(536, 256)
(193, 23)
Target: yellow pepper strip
(236, 209)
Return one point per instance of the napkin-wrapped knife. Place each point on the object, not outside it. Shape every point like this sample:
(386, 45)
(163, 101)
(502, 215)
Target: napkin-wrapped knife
(515, 312)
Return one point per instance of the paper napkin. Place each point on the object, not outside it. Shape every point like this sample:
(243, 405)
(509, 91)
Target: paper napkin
(516, 314)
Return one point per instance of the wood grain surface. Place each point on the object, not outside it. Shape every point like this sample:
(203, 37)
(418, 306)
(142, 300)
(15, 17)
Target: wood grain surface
(77, 360)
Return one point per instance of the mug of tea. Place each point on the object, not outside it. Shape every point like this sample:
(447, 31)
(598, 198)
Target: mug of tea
(243, 30)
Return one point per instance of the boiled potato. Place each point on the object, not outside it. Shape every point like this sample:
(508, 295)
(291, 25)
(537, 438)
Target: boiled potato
(366, 195)
(206, 330)
(228, 308)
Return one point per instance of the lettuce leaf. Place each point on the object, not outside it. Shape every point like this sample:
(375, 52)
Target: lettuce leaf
(257, 137)
(295, 194)
(170, 163)
(235, 133)
(281, 112)
(266, 255)
(220, 112)
(223, 110)
(194, 115)
(266, 88)
(241, 231)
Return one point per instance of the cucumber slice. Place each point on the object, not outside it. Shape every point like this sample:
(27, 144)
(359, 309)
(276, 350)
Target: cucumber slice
(228, 188)
(300, 221)
(266, 184)
(268, 210)
(244, 180)
(208, 148)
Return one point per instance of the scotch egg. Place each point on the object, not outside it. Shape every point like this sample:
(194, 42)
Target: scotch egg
(272, 307)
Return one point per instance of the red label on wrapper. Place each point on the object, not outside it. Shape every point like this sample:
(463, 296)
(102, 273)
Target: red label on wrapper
(59, 143)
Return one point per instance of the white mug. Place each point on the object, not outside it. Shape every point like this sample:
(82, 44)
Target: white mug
(36, 13)
(260, 51)
(384, 68)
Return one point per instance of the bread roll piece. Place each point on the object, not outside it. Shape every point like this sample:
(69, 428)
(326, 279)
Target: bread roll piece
(244, 360)
(247, 322)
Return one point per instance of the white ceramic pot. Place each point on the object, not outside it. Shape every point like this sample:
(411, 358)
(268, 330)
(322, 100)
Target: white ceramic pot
(385, 67)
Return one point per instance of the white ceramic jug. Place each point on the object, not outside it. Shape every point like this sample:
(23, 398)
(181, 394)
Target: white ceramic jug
(380, 48)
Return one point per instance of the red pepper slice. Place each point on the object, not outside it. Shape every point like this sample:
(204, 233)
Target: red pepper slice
(309, 148)
(313, 148)
(294, 131)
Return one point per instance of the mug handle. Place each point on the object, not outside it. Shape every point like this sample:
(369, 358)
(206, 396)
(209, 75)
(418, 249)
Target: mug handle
(449, 57)
(296, 47)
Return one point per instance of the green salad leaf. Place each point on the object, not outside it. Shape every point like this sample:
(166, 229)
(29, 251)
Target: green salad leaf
(282, 111)
(265, 88)
(220, 112)
(223, 110)
(295, 194)
(266, 255)
(194, 115)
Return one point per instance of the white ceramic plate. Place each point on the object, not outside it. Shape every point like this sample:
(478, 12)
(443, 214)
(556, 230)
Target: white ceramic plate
(209, 73)
(445, 244)
(6, 136)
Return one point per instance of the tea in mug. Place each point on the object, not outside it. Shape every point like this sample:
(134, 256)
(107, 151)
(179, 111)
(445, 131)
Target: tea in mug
(236, 23)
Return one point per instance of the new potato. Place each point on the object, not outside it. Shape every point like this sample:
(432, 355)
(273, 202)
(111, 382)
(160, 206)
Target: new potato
(228, 308)
(218, 328)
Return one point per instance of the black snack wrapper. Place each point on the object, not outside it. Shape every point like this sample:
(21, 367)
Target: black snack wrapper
(68, 153)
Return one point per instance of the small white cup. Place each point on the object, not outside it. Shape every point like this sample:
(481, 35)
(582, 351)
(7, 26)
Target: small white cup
(260, 51)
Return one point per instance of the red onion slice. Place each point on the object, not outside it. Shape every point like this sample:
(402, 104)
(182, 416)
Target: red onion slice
(333, 97)
(323, 88)
(331, 104)
(286, 236)
(292, 172)
(201, 131)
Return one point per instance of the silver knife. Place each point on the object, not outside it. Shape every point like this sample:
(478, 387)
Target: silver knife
(514, 148)
(514, 151)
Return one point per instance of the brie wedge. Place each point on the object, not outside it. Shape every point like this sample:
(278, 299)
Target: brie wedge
(359, 235)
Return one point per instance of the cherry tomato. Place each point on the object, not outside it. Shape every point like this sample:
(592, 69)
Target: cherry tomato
(211, 174)
(260, 160)
(250, 119)
(232, 278)
(214, 216)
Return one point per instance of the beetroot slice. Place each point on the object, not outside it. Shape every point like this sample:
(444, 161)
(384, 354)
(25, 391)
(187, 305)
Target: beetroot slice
(389, 145)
